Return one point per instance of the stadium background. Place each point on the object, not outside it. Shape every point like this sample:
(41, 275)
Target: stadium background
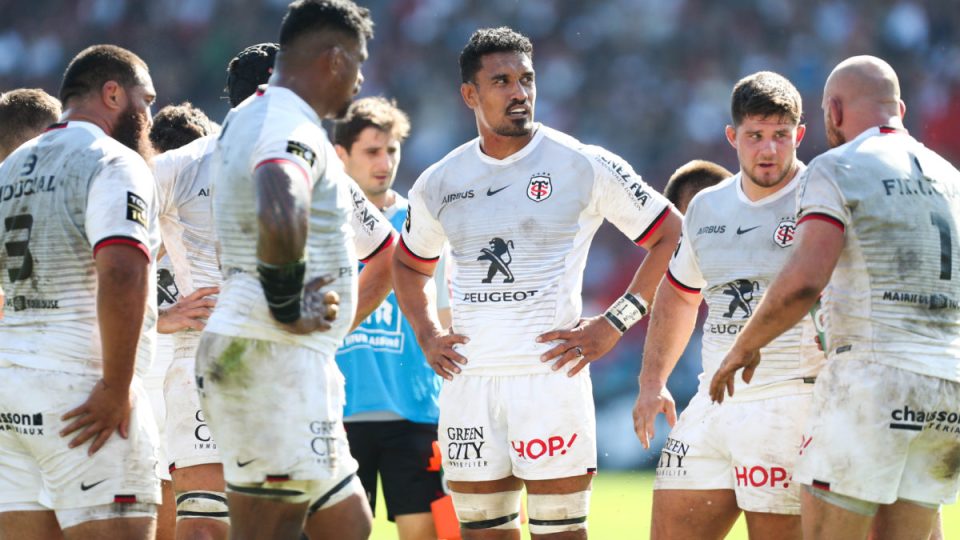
(647, 79)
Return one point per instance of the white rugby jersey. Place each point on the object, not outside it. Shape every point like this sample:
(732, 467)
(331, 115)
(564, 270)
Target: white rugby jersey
(519, 230)
(186, 221)
(277, 125)
(63, 196)
(893, 298)
(731, 251)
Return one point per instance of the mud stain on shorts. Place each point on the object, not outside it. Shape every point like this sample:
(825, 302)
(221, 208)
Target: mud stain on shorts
(948, 467)
(230, 363)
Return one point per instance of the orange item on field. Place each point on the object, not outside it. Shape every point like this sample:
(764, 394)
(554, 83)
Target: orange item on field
(445, 519)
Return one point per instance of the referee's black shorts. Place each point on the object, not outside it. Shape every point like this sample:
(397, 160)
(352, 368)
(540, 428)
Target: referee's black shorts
(400, 451)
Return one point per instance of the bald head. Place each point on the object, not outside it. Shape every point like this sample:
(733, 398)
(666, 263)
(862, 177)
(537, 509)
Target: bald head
(860, 93)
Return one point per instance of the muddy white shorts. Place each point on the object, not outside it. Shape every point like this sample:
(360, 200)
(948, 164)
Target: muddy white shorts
(536, 427)
(880, 434)
(36, 466)
(276, 412)
(188, 437)
(153, 385)
(749, 446)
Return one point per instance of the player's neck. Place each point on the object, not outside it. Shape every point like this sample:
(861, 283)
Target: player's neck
(383, 200)
(756, 193)
(500, 147)
(81, 115)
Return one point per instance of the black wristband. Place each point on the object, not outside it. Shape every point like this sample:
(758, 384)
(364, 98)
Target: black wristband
(282, 286)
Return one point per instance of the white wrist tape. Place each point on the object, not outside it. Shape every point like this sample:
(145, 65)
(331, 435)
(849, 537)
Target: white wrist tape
(626, 312)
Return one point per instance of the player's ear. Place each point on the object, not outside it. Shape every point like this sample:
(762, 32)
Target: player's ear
(113, 95)
(801, 131)
(836, 112)
(731, 133)
(903, 109)
(468, 91)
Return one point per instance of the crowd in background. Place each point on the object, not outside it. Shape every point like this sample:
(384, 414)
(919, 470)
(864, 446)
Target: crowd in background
(647, 79)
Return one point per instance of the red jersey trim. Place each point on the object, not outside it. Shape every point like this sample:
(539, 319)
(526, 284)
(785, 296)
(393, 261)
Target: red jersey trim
(284, 160)
(886, 130)
(823, 217)
(414, 255)
(653, 227)
(676, 283)
(58, 125)
(383, 245)
(126, 240)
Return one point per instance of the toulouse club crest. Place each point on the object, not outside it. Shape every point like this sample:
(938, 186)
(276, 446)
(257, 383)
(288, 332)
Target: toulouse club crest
(785, 232)
(540, 188)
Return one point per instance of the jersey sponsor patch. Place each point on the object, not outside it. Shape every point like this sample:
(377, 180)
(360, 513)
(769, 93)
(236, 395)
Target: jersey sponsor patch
(136, 209)
(302, 151)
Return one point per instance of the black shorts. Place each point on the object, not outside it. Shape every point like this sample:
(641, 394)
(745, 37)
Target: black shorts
(400, 451)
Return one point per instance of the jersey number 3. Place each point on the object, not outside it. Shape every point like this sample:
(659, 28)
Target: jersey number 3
(19, 248)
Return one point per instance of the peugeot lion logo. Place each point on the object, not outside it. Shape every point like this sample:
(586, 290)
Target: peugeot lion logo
(499, 256)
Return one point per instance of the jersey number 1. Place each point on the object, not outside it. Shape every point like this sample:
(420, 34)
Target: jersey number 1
(19, 248)
(946, 246)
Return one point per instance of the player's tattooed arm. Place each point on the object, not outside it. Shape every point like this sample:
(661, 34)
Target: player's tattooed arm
(595, 336)
(411, 280)
(671, 323)
(787, 300)
(283, 206)
(122, 276)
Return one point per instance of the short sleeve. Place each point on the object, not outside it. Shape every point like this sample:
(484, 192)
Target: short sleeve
(684, 270)
(301, 146)
(372, 232)
(819, 197)
(422, 236)
(121, 205)
(624, 199)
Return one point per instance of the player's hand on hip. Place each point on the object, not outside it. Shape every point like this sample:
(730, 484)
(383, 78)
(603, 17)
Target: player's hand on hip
(191, 311)
(650, 402)
(723, 379)
(107, 409)
(441, 355)
(317, 309)
(587, 342)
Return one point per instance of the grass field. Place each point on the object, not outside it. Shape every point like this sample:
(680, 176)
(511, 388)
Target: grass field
(620, 510)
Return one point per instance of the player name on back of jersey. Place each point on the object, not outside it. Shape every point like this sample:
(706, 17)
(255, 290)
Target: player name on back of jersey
(24, 187)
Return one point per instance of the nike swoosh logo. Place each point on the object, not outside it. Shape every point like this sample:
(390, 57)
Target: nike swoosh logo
(243, 464)
(742, 231)
(495, 191)
(84, 487)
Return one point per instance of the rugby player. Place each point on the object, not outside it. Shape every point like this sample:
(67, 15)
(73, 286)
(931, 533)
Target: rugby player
(519, 206)
(691, 178)
(877, 217)
(80, 238)
(719, 461)
(24, 114)
(265, 368)
(391, 411)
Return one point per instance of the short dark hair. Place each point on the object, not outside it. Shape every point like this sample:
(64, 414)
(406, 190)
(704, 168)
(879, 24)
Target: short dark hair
(691, 178)
(177, 125)
(765, 94)
(305, 16)
(24, 114)
(248, 70)
(376, 112)
(487, 41)
(94, 66)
